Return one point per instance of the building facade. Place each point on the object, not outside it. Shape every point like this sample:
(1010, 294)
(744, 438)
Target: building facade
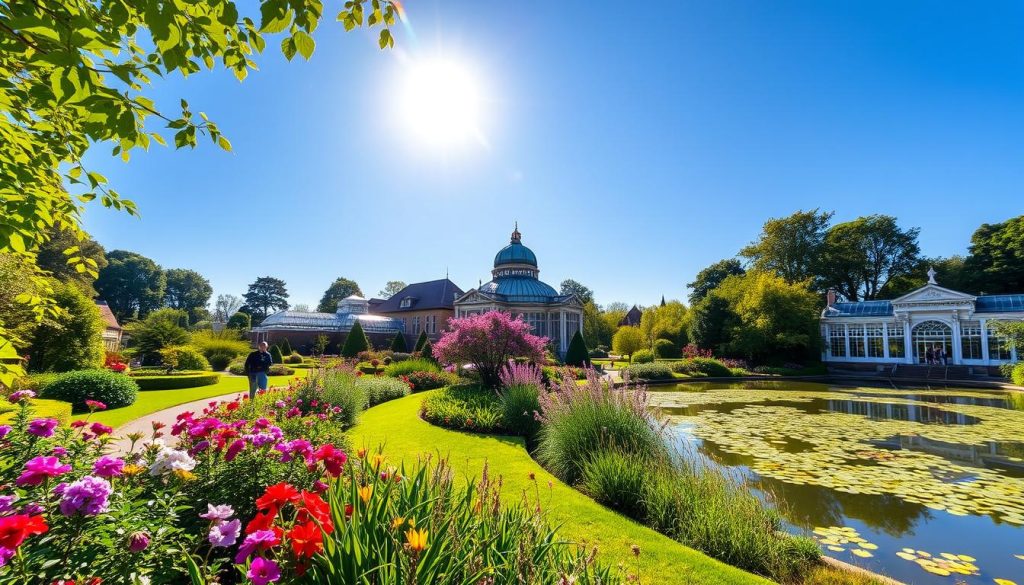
(302, 328)
(421, 307)
(113, 331)
(516, 288)
(903, 330)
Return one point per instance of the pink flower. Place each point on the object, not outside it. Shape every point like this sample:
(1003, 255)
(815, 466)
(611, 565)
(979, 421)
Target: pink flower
(138, 541)
(108, 466)
(42, 427)
(99, 429)
(4, 429)
(20, 395)
(94, 405)
(38, 468)
(258, 540)
(78, 424)
(225, 534)
(218, 513)
(263, 571)
(234, 449)
(89, 496)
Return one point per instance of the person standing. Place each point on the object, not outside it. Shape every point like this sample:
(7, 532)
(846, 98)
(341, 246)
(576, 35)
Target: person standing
(257, 364)
(928, 355)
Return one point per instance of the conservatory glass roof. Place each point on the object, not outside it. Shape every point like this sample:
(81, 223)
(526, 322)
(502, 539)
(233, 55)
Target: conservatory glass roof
(340, 322)
(999, 304)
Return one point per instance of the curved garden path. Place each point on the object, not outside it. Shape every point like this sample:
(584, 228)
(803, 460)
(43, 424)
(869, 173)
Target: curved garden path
(405, 436)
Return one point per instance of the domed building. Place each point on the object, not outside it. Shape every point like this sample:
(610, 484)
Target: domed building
(516, 288)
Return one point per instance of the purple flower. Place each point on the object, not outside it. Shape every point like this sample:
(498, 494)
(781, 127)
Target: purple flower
(234, 449)
(218, 513)
(20, 395)
(263, 571)
(41, 467)
(108, 466)
(254, 541)
(5, 555)
(42, 427)
(7, 503)
(138, 541)
(199, 447)
(225, 534)
(88, 496)
(33, 508)
(59, 451)
(4, 429)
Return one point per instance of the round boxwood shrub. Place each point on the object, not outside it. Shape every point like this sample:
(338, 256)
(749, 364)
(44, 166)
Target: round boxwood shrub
(664, 349)
(643, 356)
(184, 357)
(651, 371)
(294, 358)
(280, 370)
(114, 390)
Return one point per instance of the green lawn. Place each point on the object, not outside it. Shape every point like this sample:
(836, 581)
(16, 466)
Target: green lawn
(397, 426)
(151, 401)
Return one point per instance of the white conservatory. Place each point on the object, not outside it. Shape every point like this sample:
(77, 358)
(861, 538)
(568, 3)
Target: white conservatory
(907, 329)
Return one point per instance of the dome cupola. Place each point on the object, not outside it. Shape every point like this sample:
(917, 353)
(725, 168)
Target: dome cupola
(515, 253)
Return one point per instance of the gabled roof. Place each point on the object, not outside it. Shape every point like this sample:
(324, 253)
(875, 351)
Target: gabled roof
(108, 315)
(632, 317)
(423, 296)
(933, 292)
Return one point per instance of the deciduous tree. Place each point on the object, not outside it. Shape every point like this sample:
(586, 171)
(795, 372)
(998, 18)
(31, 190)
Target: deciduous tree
(132, 285)
(74, 339)
(488, 342)
(225, 306)
(790, 246)
(189, 291)
(774, 318)
(996, 260)
(572, 287)
(341, 287)
(712, 276)
(390, 289)
(628, 340)
(861, 256)
(52, 258)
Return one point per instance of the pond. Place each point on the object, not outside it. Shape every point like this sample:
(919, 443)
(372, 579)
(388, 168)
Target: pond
(925, 486)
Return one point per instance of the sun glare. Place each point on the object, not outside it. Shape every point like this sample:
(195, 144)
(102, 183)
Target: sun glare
(441, 103)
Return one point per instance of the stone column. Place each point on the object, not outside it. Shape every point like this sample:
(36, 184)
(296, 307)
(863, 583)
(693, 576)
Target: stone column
(561, 327)
(846, 339)
(908, 343)
(984, 340)
(885, 340)
(958, 352)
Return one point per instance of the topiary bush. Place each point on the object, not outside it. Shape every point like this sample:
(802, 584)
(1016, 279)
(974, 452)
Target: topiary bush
(114, 390)
(421, 341)
(398, 343)
(576, 354)
(184, 357)
(275, 355)
(294, 358)
(286, 347)
(665, 349)
(643, 356)
(652, 371)
(176, 382)
(355, 342)
(399, 357)
(427, 352)
(219, 361)
(702, 366)
(280, 370)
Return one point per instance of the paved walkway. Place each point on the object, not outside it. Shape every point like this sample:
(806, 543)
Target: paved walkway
(168, 416)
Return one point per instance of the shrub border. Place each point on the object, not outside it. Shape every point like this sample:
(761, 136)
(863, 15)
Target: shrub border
(177, 382)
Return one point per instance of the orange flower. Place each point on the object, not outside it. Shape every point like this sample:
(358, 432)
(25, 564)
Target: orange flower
(306, 539)
(365, 493)
(416, 539)
(377, 460)
(361, 452)
(397, 522)
(132, 469)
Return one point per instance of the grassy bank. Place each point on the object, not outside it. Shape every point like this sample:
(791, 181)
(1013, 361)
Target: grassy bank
(397, 426)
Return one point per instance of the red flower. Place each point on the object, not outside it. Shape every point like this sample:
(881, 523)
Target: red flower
(307, 540)
(276, 496)
(348, 511)
(262, 521)
(333, 459)
(313, 507)
(15, 529)
(231, 406)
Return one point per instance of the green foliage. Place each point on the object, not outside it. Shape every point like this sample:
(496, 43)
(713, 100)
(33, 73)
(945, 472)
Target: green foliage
(293, 359)
(709, 278)
(189, 291)
(275, 355)
(35, 382)
(184, 357)
(355, 342)
(790, 247)
(398, 343)
(996, 260)
(279, 370)
(51, 258)
(860, 257)
(175, 382)
(420, 381)
(341, 288)
(643, 356)
(41, 408)
(338, 388)
(616, 480)
(668, 321)
(226, 342)
(520, 405)
(649, 371)
(597, 330)
(421, 341)
(114, 390)
(571, 287)
(219, 361)
(265, 295)
(161, 328)
(380, 389)
(427, 352)
(406, 367)
(702, 367)
(286, 348)
(710, 322)
(131, 284)
(774, 319)
(73, 340)
(1017, 374)
(240, 322)
(392, 288)
(464, 407)
(665, 349)
(628, 340)
(576, 354)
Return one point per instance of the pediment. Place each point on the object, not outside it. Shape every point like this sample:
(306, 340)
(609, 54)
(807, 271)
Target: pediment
(933, 293)
(472, 296)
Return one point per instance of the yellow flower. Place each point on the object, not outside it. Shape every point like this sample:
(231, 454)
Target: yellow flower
(416, 539)
(377, 460)
(184, 475)
(365, 493)
(398, 521)
(361, 453)
(131, 469)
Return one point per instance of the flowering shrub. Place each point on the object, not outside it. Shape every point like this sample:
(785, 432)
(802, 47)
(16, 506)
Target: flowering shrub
(420, 381)
(692, 351)
(464, 407)
(488, 342)
(115, 362)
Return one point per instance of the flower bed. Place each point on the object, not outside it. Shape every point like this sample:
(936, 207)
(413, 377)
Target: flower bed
(175, 382)
(465, 407)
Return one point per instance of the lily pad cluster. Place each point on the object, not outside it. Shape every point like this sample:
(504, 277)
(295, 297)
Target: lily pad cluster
(839, 538)
(943, 564)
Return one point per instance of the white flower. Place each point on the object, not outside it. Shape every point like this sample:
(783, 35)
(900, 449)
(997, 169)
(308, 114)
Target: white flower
(169, 460)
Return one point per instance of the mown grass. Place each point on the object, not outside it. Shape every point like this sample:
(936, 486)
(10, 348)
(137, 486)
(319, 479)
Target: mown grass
(151, 401)
(397, 426)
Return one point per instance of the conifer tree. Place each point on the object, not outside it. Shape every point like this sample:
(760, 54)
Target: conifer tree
(577, 354)
(398, 343)
(286, 348)
(428, 351)
(420, 341)
(355, 342)
(275, 355)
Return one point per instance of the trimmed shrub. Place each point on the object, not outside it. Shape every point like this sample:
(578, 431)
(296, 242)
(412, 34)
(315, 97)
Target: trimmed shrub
(702, 365)
(184, 357)
(237, 367)
(404, 368)
(173, 382)
(466, 407)
(280, 370)
(294, 358)
(642, 356)
(616, 480)
(286, 348)
(598, 353)
(421, 341)
(653, 371)
(398, 343)
(428, 351)
(219, 361)
(378, 389)
(114, 390)
(576, 354)
(664, 349)
(420, 381)
(35, 382)
(275, 355)
(400, 357)
(355, 342)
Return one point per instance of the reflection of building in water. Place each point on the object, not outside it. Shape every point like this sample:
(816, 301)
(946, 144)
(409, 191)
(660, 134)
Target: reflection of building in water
(906, 412)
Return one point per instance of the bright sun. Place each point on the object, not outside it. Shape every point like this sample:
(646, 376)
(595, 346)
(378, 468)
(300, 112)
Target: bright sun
(441, 103)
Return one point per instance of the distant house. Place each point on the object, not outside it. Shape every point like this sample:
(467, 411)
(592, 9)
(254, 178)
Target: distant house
(632, 317)
(112, 334)
(421, 307)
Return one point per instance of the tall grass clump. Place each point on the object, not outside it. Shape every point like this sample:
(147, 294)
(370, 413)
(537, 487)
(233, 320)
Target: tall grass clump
(337, 387)
(521, 386)
(406, 367)
(379, 389)
(579, 421)
(616, 480)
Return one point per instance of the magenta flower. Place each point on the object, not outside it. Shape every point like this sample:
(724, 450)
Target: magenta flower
(20, 395)
(218, 513)
(5, 555)
(225, 534)
(4, 429)
(234, 449)
(256, 540)
(7, 504)
(108, 466)
(38, 468)
(138, 541)
(94, 405)
(99, 429)
(59, 451)
(199, 447)
(42, 427)
(263, 571)
(88, 496)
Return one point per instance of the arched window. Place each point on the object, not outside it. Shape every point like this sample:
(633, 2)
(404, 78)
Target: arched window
(932, 335)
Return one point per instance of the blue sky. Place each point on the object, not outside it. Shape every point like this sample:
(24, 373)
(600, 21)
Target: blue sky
(635, 143)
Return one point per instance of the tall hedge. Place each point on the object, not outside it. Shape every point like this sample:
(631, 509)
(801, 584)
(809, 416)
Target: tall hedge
(420, 341)
(577, 354)
(275, 355)
(74, 339)
(398, 343)
(355, 342)
(286, 348)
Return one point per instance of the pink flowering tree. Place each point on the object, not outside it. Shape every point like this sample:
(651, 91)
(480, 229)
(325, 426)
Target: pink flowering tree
(488, 342)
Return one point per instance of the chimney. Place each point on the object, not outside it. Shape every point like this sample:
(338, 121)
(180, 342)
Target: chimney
(830, 297)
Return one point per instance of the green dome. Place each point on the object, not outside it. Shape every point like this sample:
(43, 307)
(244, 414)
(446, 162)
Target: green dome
(515, 253)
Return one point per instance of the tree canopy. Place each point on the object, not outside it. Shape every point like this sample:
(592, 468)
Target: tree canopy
(488, 341)
(225, 306)
(189, 291)
(572, 287)
(996, 258)
(712, 276)
(860, 257)
(266, 295)
(341, 287)
(790, 246)
(51, 258)
(390, 289)
(628, 340)
(131, 284)
(772, 317)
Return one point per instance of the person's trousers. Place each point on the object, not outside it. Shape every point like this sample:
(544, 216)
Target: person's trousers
(257, 382)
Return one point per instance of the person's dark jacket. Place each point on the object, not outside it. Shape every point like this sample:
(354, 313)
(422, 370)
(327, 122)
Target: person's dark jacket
(258, 362)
